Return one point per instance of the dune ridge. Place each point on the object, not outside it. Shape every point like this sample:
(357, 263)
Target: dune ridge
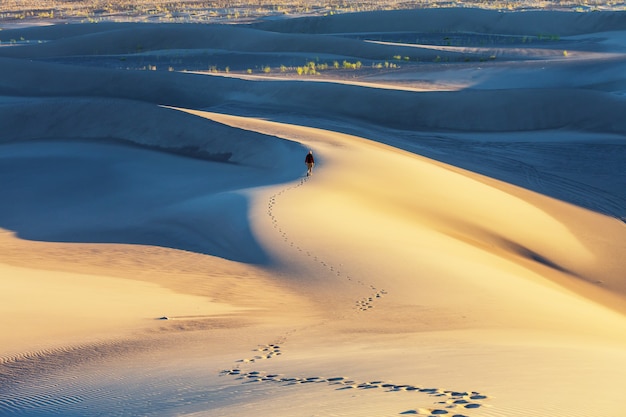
(160, 129)
(534, 110)
(564, 23)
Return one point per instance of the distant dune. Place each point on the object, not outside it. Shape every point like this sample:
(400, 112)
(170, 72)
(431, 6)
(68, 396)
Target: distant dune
(455, 20)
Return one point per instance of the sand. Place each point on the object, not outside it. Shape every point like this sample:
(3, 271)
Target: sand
(458, 250)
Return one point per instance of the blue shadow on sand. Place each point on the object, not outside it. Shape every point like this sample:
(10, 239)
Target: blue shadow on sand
(60, 191)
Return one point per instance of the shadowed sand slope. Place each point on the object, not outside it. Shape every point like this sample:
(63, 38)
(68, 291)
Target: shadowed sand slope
(483, 110)
(139, 38)
(82, 192)
(138, 123)
(464, 20)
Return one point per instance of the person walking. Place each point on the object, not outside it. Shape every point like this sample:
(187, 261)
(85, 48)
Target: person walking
(309, 161)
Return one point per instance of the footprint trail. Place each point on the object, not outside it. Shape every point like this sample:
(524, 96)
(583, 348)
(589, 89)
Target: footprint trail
(450, 403)
(364, 304)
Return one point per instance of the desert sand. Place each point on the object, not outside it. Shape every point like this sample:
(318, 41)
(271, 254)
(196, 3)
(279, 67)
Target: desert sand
(459, 249)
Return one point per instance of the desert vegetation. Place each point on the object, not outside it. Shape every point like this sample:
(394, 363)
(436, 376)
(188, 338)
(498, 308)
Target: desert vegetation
(309, 68)
(246, 10)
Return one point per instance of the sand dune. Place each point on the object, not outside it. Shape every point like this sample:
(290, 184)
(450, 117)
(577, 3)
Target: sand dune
(159, 129)
(136, 38)
(457, 251)
(455, 20)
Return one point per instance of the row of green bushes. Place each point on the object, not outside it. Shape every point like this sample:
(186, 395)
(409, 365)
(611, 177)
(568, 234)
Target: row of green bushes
(316, 68)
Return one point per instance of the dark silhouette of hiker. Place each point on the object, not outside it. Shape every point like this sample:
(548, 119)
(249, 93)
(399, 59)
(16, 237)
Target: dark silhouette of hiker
(309, 161)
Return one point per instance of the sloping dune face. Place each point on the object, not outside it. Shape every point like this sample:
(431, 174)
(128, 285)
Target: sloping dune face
(458, 250)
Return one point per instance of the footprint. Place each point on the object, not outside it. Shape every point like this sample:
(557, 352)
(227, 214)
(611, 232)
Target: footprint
(455, 399)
